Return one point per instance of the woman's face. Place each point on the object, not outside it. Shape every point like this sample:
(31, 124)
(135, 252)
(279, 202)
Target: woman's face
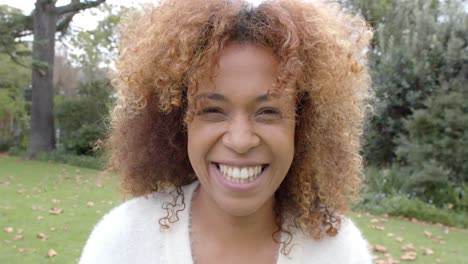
(241, 141)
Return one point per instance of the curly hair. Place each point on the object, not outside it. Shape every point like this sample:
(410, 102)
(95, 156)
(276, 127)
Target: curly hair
(322, 53)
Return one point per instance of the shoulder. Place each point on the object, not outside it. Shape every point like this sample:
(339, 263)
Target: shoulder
(130, 231)
(348, 246)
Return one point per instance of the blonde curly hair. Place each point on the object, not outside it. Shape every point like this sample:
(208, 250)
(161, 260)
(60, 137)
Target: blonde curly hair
(321, 49)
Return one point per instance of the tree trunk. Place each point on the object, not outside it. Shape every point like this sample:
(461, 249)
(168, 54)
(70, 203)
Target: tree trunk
(42, 137)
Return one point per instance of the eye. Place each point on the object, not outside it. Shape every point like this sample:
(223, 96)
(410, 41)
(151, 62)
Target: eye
(269, 114)
(211, 110)
(212, 113)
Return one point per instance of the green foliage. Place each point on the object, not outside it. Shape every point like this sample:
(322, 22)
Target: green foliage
(13, 26)
(82, 120)
(407, 206)
(419, 46)
(435, 151)
(61, 156)
(14, 118)
(98, 47)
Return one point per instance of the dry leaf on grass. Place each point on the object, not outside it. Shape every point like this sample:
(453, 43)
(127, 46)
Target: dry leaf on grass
(428, 251)
(390, 234)
(41, 236)
(407, 247)
(55, 201)
(374, 220)
(399, 239)
(428, 234)
(380, 249)
(51, 253)
(90, 204)
(9, 229)
(18, 237)
(20, 191)
(55, 211)
(376, 227)
(409, 256)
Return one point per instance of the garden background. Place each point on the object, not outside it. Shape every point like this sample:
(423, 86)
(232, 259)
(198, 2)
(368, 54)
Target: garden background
(53, 188)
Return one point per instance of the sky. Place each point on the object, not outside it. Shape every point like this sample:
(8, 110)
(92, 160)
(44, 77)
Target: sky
(85, 19)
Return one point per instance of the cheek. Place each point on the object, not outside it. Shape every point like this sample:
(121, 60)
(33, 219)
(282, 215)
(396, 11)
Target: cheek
(201, 138)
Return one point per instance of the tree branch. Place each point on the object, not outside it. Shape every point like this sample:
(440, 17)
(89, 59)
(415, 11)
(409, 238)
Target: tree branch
(76, 6)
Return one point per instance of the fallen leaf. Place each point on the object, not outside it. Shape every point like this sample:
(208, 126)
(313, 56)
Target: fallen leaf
(55, 211)
(90, 204)
(22, 250)
(40, 217)
(9, 229)
(55, 201)
(374, 220)
(19, 230)
(390, 234)
(40, 235)
(51, 253)
(18, 237)
(376, 227)
(20, 191)
(399, 239)
(407, 247)
(428, 234)
(428, 251)
(409, 256)
(380, 249)
(53, 229)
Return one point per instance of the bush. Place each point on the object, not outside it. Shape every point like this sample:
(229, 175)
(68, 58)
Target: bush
(434, 152)
(60, 156)
(407, 206)
(420, 47)
(82, 120)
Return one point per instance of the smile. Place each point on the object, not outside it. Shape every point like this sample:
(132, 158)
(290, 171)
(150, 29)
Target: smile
(240, 175)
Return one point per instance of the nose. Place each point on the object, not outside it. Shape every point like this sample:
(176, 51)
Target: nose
(240, 136)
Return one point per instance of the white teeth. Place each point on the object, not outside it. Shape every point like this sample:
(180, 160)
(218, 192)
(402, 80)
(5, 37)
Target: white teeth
(235, 173)
(240, 174)
(244, 174)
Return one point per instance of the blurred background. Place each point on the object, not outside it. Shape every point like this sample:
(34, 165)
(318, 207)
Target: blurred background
(55, 97)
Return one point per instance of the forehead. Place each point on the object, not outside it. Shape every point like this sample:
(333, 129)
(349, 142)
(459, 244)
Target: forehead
(241, 69)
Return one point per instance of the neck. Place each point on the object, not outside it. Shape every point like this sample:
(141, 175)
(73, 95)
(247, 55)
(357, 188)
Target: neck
(233, 231)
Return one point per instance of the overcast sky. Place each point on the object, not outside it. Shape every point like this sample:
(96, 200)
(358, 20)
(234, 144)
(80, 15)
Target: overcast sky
(83, 20)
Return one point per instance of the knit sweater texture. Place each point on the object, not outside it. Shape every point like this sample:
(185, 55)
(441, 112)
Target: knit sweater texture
(130, 233)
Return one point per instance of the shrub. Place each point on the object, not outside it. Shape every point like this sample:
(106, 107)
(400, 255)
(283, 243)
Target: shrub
(407, 206)
(61, 156)
(435, 150)
(82, 120)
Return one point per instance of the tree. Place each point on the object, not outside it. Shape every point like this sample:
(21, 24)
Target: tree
(410, 60)
(47, 20)
(96, 49)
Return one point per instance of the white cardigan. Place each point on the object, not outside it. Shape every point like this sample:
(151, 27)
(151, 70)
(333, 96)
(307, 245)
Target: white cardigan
(130, 233)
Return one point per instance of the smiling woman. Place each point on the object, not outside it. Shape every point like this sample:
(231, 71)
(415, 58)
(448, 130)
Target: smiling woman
(238, 128)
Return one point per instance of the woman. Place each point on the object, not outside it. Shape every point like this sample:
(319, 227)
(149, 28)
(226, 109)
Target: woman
(238, 129)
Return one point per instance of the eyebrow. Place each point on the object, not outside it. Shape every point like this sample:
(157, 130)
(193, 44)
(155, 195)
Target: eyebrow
(220, 97)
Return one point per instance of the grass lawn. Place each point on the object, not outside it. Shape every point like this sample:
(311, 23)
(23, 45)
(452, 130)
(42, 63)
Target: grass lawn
(47, 206)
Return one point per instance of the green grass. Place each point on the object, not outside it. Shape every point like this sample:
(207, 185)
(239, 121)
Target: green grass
(28, 189)
(42, 182)
(448, 244)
